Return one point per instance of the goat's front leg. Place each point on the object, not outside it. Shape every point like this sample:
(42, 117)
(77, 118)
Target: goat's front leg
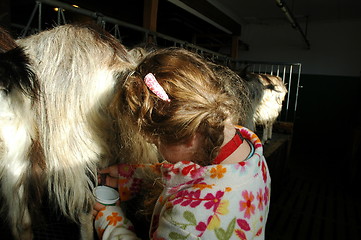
(265, 134)
(18, 212)
(86, 226)
(270, 129)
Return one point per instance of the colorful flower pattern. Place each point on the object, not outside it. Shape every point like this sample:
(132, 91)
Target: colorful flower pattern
(228, 201)
(110, 220)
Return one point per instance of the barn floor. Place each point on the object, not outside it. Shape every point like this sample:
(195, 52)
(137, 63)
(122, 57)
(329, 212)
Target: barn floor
(310, 208)
(304, 204)
(308, 202)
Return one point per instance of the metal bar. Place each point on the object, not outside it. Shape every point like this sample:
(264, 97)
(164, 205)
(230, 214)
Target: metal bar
(117, 32)
(283, 71)
(63, 16)
(284, 79)
(298, 87)
(289, 91)
(292, 20)
(59, 17)
(278, 71)
(25, 31)
(39, 17)
(266, 62)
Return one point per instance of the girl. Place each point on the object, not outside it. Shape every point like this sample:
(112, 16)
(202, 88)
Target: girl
(215, 179)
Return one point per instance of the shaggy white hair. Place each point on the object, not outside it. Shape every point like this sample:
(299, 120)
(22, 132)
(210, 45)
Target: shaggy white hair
(269, 106)
(68, 131)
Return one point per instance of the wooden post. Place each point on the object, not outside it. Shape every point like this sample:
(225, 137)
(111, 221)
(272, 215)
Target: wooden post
(150, 19)
(235, 46)
(150, 14)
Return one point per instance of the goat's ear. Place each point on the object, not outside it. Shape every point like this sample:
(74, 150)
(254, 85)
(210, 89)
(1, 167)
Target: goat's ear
(15, 71)
(270, 87)
(244, 72)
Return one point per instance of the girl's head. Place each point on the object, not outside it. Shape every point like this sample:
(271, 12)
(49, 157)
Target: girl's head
(200, 102)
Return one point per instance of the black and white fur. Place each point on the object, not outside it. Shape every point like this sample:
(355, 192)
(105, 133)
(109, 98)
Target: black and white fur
(56, 123)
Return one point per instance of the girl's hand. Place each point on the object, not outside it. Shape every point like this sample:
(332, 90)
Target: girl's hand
(108, 176)
(96, 208)
(111, 170)
(105, 179)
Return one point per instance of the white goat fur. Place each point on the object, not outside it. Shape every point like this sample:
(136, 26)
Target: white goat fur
(66, 134)
(269, 107)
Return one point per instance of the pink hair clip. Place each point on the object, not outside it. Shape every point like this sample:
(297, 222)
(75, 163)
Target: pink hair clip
(155, 87)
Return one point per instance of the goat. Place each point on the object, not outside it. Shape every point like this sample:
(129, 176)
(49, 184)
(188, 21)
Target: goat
(57, 127)
(269, 106)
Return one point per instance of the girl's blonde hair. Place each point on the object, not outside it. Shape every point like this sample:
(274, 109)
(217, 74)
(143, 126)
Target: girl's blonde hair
(201, 99)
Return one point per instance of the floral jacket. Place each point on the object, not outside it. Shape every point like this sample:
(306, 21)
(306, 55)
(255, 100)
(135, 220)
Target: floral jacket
(225, 201)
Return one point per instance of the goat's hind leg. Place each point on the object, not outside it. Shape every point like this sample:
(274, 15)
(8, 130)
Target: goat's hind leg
(269, 129)
(265, 134)
(14, 166)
